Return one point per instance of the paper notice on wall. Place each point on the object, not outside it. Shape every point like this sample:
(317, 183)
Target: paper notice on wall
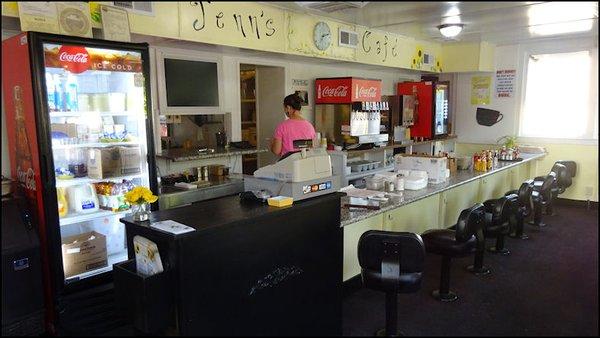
(115, 24)
(38, 17)
(480, 89)
(74, 18)
(300, 87)
(505, 82)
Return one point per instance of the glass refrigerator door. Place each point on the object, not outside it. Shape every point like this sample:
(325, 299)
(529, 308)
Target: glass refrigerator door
(96, 103)
(441, 109)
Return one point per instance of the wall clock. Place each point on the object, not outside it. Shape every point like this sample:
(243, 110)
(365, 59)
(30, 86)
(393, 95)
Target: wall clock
(322, 35)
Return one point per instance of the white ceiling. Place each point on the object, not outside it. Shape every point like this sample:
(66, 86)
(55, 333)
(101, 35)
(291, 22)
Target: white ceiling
(496, 22)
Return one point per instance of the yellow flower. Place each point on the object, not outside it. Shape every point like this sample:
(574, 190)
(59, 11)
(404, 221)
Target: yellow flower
(140, 195)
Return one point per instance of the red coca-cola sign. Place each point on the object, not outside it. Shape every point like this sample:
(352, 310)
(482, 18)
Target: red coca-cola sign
(74, 58)
(347, 90)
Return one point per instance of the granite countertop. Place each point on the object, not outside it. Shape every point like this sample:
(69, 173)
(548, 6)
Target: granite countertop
(180, 154)
(408, 196)
(214, 183)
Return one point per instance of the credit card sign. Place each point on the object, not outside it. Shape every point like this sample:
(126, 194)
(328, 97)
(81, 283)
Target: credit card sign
(312, 188)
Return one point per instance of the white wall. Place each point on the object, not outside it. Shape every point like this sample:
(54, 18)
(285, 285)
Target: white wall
(507, 57)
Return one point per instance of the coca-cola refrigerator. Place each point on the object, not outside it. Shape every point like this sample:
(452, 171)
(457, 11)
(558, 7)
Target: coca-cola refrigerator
(79, 128)
(349, 112)
(430, 120)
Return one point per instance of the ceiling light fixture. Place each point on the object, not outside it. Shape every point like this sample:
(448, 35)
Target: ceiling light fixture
(450, 30)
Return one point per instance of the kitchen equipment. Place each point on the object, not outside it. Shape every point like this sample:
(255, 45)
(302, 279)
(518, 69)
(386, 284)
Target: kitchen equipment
(221, 138)
(301, 175)
(435, 166)
(416, 180)
(82, 198)
(218, 170)
(374, 183)
(6, 186)
(431, 113)
(348, 111)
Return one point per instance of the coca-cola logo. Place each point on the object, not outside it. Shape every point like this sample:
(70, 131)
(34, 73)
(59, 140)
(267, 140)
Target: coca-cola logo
(367, 92)
(74, 58)
(27, 178)
(339, 91)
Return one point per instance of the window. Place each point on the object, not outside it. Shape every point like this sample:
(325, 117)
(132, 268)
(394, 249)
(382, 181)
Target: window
(560, 97)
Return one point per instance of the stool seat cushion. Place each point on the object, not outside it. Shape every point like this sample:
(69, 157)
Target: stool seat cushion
(443, 242)
(408, 282)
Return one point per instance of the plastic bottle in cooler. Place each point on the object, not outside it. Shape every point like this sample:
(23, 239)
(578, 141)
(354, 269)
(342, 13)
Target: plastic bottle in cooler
(71, 93)
(63, 206)
(50, 89)
(82, 198)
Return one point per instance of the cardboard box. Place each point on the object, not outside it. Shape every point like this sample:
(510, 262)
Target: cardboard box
(104, 162)
(84, 252)
(435, 166)
(69, 129)
(131, 160)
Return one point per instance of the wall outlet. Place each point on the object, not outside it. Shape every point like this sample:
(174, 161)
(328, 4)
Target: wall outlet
(589, 191)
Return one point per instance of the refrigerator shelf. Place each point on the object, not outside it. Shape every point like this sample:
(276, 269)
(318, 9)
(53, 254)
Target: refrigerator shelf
(84, 113)
(76, 218)
(112, 259)
(94, 145)
(84, 180)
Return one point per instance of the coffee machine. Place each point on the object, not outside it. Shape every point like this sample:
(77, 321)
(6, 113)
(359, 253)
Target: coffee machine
(349, 112)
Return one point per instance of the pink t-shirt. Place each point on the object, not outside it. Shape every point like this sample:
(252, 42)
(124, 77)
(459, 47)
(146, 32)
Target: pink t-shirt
(290, 130)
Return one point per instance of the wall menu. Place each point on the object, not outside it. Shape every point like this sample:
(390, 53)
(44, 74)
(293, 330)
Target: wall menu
(505, 82)
(237, 24)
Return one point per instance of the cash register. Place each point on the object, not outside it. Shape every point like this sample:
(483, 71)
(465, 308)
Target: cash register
(300, 175)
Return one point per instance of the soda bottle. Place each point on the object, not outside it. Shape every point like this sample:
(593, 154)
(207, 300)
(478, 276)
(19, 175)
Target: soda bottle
(50, 88)
(71, 93)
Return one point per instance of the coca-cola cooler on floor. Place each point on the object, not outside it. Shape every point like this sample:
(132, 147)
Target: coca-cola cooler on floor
(349, 111)
(79, 127)
(430, 119)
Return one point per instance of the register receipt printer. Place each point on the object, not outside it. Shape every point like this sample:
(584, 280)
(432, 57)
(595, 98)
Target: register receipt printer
(301, 175)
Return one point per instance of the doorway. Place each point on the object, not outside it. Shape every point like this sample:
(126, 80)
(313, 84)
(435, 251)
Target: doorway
(262, 89)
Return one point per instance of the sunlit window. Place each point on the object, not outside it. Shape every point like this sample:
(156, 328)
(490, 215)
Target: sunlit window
(558, 97)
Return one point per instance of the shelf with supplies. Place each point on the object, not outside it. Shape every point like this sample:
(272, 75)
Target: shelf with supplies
(112, 259)
(77, 218)
(93, 145)
(100, 113)
(360, 174)
(60, 183)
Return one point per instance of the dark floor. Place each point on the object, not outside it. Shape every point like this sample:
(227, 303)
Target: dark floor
(547, 286)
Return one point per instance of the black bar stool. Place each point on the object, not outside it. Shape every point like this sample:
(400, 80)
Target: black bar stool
(565, 171)
(465, 240)
(524, 209)
(496, 225)
(391, 262)
(542, 196)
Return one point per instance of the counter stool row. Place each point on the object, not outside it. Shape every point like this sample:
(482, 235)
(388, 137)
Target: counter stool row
(393, 262)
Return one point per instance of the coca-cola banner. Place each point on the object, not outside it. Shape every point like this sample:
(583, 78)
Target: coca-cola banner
(347, 90)
(78, 59)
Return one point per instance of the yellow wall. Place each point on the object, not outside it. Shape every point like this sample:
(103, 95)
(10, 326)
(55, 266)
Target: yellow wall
(468, 57)
(586, 157)
(278, 31)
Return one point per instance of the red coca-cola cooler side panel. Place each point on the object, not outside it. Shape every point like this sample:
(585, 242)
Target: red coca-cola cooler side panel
(366, 90)
(423, 126)
(22, 138)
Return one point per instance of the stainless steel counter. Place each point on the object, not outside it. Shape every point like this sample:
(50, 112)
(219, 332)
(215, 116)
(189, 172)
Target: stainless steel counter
(171, 197)
(408, 196)
(179, 154)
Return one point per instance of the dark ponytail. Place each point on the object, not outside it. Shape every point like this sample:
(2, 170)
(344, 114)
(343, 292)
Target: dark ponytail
(294, 101)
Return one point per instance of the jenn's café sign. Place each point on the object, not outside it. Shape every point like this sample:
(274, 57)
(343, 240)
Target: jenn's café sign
(347, 90)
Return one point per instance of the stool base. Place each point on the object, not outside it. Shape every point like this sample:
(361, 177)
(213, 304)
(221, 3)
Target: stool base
(444, 297)
(540, 225)
(381, 333)
(523, 236)
(478, 272)
(503, 251)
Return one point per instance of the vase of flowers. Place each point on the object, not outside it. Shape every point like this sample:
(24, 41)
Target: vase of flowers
(140, 198)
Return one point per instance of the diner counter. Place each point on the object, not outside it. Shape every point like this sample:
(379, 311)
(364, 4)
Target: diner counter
(401, 198)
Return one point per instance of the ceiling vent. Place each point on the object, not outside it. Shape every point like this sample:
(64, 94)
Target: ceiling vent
(332, 6)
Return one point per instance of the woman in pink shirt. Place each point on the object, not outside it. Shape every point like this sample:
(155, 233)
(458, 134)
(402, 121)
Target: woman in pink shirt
(295, 127)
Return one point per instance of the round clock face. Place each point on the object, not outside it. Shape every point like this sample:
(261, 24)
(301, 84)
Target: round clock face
(322, 36)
